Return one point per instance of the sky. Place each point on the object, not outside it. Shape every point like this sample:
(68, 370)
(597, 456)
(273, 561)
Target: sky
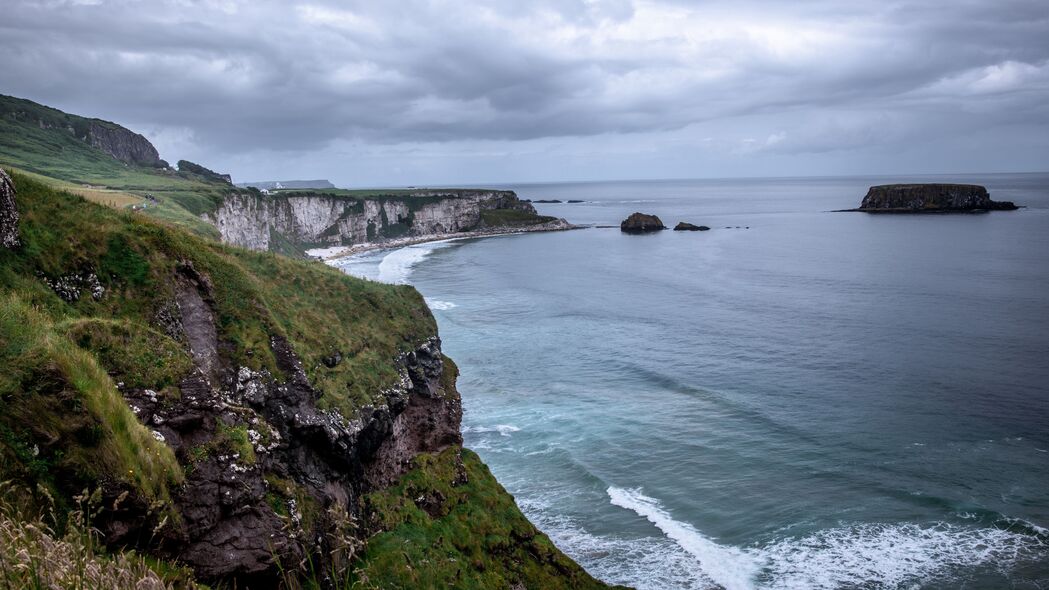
(411, 92)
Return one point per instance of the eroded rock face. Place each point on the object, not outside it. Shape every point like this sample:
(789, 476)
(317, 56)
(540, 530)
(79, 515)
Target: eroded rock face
(8, 212)
(269, 472)
(123, 144)
(251, 221)
(917, 198)
(639, 223)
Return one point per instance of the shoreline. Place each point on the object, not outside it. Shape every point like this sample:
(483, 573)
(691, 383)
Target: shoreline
(357, 249)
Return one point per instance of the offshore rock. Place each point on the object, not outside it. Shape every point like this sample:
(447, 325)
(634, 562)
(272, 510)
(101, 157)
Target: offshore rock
(8, 212)
(639, 223)
(685, 226)
(930, 198)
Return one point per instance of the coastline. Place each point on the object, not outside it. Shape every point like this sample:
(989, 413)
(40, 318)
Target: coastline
(340, 252)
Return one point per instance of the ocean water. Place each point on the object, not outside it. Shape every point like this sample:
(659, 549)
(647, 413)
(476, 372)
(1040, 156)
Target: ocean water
(794, 399)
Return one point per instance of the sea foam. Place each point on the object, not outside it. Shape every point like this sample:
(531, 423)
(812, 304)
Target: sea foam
(896, 555)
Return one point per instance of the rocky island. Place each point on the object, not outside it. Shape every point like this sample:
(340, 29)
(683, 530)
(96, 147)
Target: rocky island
(930, 198)
(685, 226)
(640, 223)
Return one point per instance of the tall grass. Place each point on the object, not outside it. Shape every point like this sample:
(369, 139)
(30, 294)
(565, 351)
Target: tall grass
(37, 552)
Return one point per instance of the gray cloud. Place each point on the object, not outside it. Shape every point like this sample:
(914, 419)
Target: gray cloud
(274, 88)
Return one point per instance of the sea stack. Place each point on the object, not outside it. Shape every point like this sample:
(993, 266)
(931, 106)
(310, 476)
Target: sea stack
(8, 212)
(685, 226)
(640, 223)
(930, 198)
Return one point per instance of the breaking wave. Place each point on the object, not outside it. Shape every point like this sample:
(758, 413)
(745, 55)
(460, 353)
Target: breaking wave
(880, 555)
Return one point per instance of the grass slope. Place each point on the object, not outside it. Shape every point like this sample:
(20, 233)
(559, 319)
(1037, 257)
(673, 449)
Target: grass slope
(449, 524)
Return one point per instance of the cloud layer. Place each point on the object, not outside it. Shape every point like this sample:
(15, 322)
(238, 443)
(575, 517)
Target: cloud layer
(429, 91)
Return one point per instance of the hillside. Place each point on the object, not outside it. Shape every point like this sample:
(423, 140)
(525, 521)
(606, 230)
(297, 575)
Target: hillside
(242, 413)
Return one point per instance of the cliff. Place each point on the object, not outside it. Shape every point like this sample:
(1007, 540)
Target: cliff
(264, 421)
(317, 219)
(930, 198)
(123, 144)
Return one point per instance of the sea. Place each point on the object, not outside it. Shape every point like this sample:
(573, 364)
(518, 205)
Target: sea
(796, 398)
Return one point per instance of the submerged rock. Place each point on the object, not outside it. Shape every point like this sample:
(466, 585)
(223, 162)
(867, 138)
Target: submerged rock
(930, 198)
(8, 212)
(685, 226)
(639, 223)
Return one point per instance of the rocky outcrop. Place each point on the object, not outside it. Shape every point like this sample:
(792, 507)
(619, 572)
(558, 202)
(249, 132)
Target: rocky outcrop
(639, 223)
(274, 476)
(685, 226)
(318, 219)
(187, 167)
(123, 144)
(8, 212)
(930, 198)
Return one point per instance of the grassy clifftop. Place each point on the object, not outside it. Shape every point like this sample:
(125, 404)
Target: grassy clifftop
(86, 302)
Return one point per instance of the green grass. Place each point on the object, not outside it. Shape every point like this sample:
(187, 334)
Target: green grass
(512, 218)
(62, 417)
(442, 532)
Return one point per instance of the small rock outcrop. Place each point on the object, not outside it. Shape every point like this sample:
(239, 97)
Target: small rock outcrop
(187, 167)
(685, 226)
(8, 212)
(930, 198)
(639, 223)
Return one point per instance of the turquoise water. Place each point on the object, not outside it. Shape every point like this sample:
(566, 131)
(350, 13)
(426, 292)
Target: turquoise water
(805, 400)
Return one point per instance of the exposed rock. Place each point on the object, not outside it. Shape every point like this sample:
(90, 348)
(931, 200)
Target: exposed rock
(123, 144)
(548, 201)
(639, 223)
(70, 286)
(8, 212)
(685, 226)
(930, 198)
(229, 529)
(575, 201)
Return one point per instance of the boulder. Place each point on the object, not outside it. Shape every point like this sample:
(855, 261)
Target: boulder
(639, 223)
(685, 226)
(930, 198)
(8, 212)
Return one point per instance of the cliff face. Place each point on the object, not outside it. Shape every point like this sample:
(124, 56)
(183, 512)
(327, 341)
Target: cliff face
(903, 198)
(123, 144)
(255, 221)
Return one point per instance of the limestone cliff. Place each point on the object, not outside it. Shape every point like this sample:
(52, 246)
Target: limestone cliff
(930, 198)
(257, 221)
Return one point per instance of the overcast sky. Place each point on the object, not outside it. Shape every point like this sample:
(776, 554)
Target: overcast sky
(399, 92)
